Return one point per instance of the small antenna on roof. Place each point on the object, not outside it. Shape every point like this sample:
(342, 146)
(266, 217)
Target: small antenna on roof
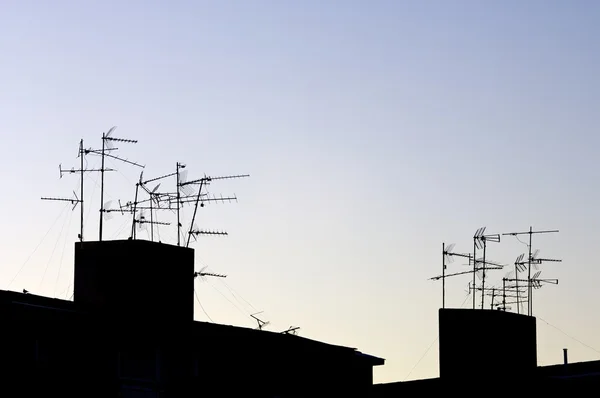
(292, 330)
(261, 323)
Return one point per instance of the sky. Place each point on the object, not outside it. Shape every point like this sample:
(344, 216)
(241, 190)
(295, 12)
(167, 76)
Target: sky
(372, 131)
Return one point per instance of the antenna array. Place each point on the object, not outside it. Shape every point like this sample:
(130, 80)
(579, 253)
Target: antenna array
(514, 288)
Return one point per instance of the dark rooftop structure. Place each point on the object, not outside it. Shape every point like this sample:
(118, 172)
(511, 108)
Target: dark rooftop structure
(493, 348)
(130, 333)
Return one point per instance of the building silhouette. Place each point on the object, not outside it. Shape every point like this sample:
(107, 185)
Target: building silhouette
(494, 352)
(130, 332)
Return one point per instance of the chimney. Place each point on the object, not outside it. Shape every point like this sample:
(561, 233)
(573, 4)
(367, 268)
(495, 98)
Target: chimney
(566, 360)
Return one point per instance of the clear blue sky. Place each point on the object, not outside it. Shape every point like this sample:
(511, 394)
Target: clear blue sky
(373, 131)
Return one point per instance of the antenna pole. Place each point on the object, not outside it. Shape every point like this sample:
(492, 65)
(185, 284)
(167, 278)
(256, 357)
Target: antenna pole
(517, 288)
(474, 267)
(493, 296)
(102, 188)
(178, 206)
(443, 275)
(81, 192)
(529, 274)
(151, 221)
(194, 215)
(483, 275)
(137, 186)
(504, 294)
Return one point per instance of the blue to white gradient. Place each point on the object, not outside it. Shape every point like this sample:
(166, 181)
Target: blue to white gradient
(373, 132)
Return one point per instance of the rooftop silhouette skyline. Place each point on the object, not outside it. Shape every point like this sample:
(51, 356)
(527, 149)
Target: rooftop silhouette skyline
(373, 132)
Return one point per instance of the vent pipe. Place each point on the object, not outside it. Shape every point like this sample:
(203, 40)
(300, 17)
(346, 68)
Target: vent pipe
(565, 357)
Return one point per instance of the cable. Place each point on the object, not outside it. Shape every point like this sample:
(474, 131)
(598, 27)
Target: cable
(226, 298)
(431, 345)
(420, 359)
(203, 310)
(39, 244)
(52, 254)
(235, 295)
(568, 335)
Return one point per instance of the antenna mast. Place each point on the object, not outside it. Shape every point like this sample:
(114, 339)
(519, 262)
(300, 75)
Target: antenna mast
(107, 145)
(481, 240)
(203, 182)
(448, 256)
(261, 323)
(531, 232)
(76, 200)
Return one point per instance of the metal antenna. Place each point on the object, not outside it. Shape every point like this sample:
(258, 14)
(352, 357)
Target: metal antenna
(178, 167)
(76, 200)
(448, 256)
(292, 330)
(519, 267)
(261, 323)
(107, 145)
(533, 282)
(531, 232)
(203, 274)
(480, 241)
(203, 182)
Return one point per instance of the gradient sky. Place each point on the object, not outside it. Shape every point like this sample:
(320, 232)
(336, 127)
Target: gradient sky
(373, 132)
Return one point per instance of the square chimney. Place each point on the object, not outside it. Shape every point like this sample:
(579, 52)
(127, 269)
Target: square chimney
(135, 280)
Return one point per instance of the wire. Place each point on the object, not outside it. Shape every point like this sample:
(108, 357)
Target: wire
(420, 359)
(235, 295)
(203, 310)
(568, 335)
(52, 254)
(226, 298)
(39, 244)
(431, 345)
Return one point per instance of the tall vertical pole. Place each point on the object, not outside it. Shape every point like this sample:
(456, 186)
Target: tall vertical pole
(151, 221)
(443, 275)
(133, 234)
(196, 210)
(504, 294)
(178, 206)
(81, 192)
(101, 189)
(483, 276)
(474, 269)
(529, 274)
(517, 288)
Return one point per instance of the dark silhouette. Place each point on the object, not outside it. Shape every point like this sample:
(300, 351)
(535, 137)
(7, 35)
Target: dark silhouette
(130, 332)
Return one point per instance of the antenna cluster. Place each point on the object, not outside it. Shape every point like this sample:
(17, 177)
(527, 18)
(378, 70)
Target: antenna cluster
(149, 200)
(515, 289)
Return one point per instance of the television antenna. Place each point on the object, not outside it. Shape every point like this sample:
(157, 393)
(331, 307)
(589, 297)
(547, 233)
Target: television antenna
(204, 182)
(448, 257)
(76, 200)
(480, 240)
(292, 330)
(203, 274)
(533, 282)
(108, 141)
(261, 323)
(531, 232)
(134, 209)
